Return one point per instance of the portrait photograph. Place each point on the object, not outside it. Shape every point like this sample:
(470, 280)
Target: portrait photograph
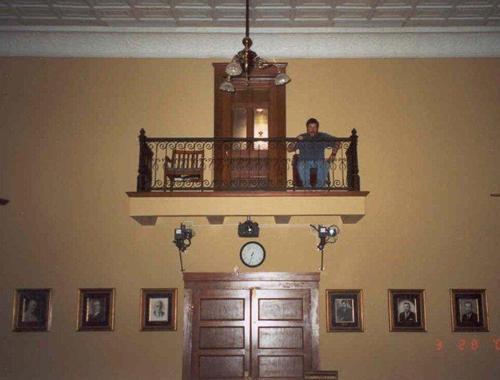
(96, 310)
(32, 310)
(406, 310)
(469, 310)
(158, 309)
(344, 310)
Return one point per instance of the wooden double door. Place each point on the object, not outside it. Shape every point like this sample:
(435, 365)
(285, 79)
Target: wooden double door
(250, 326)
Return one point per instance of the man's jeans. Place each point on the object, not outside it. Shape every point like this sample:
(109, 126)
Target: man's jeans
(304, 167)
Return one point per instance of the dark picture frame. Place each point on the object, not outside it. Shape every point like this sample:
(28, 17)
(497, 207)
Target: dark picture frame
(32, 310)
(407, 310)
(469, 310)
(344, 310)
(96, 309)
(159, 309)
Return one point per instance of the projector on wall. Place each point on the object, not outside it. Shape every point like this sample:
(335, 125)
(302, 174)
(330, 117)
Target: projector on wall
(248, 229)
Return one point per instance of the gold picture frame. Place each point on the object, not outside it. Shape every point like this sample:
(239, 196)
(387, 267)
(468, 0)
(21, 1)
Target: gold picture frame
(159, 309)
(32, 310)
(469, 310)
(407, 310)
(344, 310)
(96, 309)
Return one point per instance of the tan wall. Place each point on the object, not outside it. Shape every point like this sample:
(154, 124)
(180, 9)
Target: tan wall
(429, 136)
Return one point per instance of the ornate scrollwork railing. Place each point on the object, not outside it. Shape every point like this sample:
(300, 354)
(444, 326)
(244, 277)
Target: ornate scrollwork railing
(238, 164)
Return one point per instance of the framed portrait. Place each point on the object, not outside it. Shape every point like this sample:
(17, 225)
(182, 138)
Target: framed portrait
(469, 310)
(159, 309)
(344, 310)
(406, 310)
(96, 310)
(32, 310)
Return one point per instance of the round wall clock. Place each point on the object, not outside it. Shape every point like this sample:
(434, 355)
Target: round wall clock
(252, 254)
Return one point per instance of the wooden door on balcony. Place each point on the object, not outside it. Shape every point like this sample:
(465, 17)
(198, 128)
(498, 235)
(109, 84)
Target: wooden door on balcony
(255, 110)
(250, 327)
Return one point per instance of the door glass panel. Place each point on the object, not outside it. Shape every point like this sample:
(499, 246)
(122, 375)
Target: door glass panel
(260, 128)
(239, 127)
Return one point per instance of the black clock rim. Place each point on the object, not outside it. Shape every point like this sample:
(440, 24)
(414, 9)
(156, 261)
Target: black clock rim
(263, 250)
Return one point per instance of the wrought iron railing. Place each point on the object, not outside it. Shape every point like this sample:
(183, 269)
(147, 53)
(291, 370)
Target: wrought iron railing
(238, 164)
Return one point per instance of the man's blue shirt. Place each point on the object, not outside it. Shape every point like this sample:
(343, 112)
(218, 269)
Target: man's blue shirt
(312, 148)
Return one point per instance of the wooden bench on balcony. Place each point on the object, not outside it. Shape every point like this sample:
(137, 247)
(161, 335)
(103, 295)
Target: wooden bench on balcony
(183, 166)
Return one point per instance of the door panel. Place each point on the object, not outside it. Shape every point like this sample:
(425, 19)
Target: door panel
(281, 337)
(282, 326)
(281, 309)
(222, 367)
(281, 367)
(222, 309)
(221, 334)
(222, 337)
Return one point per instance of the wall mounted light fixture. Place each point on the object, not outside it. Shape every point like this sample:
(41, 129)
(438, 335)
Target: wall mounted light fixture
(326, 235)
(182, 240)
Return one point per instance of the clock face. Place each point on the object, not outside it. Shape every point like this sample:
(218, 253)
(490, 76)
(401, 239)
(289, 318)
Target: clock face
(252, 254)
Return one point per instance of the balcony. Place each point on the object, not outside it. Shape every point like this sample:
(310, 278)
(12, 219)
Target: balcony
(223, 177)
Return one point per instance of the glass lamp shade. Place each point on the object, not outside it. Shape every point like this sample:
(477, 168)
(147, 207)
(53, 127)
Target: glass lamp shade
(233, 69)
(227, 86)
(281, 79)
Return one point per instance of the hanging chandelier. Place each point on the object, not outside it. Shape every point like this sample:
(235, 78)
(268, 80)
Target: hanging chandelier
(245, 60)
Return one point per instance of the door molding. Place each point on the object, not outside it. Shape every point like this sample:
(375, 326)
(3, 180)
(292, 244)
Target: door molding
(255, 280)
(254, 276)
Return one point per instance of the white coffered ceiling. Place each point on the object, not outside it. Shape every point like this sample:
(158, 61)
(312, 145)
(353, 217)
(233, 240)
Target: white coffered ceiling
(280, 28)
(264, 13)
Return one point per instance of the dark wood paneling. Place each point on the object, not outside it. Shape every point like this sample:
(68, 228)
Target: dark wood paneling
(221, 367)
(222, 309)
(281, 337)
(281, 367)
(222, 337)
(281, 309)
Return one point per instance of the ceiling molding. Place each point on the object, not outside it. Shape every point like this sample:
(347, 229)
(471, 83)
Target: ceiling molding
(272, 43)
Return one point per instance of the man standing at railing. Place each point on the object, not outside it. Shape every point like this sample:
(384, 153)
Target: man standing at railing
(311, 146)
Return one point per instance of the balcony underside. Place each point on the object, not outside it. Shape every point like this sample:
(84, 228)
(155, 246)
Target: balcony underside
(217, 207)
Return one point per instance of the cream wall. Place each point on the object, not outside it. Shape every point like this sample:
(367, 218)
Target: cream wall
(428, 153)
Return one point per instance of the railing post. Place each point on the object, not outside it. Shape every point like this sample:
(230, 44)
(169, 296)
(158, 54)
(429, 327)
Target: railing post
(144, 177)
(353, 181)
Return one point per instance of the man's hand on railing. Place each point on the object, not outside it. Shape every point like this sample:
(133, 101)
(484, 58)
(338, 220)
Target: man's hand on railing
(292, 147)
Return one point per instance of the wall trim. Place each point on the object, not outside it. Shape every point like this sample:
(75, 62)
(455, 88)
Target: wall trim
(130, 42)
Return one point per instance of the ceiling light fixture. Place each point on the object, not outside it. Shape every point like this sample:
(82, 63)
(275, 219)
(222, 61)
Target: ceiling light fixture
(245, 60)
